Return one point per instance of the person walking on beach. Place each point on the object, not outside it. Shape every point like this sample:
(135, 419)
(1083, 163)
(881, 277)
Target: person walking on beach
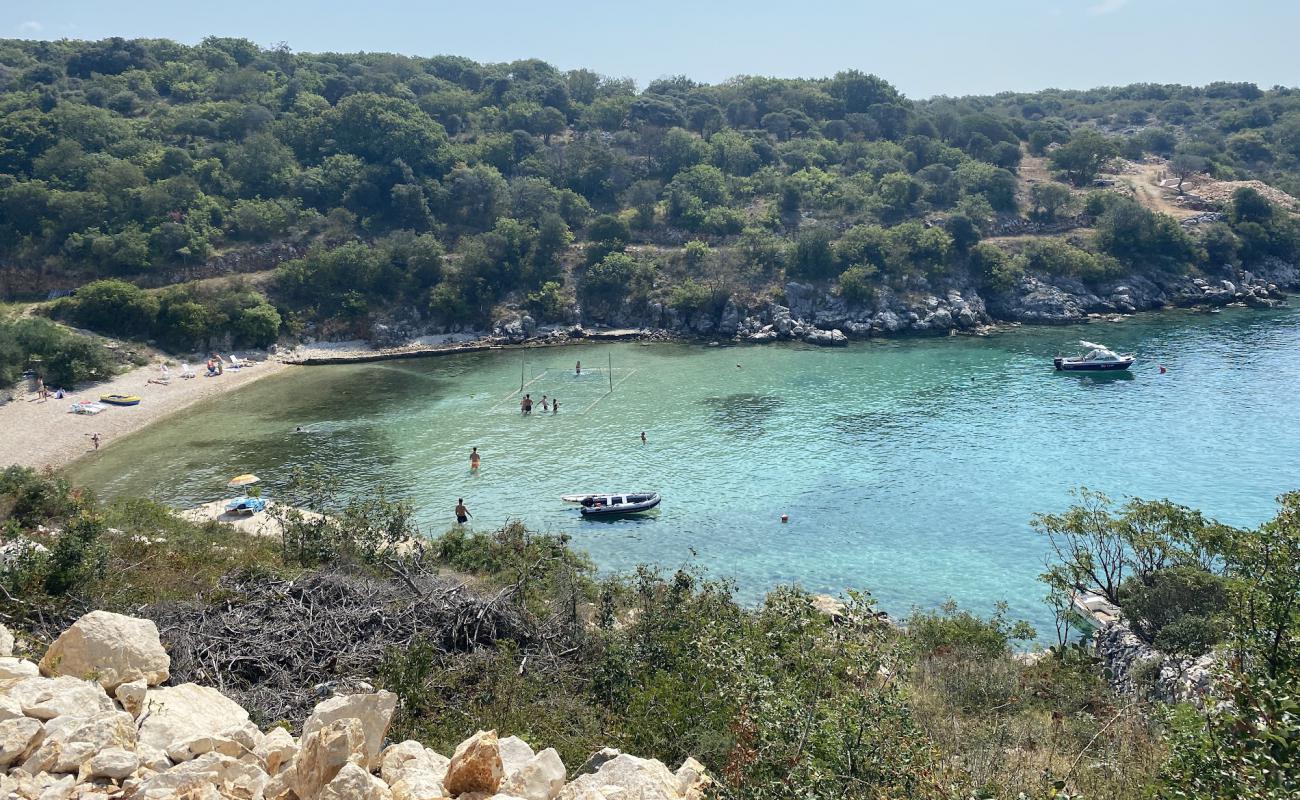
(473, 458)
(462, 513)
(94, 440)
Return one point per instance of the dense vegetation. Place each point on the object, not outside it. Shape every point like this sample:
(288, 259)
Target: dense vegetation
(779, 700)
(62, 358)
(443, 187)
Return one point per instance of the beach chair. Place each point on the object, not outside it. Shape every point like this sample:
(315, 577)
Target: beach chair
(187, 371)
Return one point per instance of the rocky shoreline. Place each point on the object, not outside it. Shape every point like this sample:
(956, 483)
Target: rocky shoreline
(818, 316)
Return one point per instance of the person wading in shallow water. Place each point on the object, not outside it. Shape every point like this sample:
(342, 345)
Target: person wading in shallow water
(462, 513)
(474, 458)
(555, 406)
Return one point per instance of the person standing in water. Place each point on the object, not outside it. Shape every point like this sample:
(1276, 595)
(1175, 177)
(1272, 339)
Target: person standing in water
(462, 513)
(578, 369)
(474, 458)
(545, 404)
(555, 406)
(642, 437)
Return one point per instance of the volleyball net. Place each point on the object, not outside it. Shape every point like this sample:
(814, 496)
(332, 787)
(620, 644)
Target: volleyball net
(577, 391)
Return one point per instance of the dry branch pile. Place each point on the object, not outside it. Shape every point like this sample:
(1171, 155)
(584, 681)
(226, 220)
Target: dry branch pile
(271, 644)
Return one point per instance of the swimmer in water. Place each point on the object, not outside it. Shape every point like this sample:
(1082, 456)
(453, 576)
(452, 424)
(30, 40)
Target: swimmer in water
(462, 513)
(474, 458)
(642, 437)
(578, 369)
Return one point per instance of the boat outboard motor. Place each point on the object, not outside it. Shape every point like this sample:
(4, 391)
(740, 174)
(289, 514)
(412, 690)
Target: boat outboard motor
(589, 501)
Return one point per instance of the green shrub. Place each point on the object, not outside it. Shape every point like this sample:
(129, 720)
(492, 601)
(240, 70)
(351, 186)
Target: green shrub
(857, 285)
(1175, 608)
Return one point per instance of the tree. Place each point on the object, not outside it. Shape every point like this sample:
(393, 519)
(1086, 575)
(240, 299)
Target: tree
(1083, 156)
(1050, 199)
(1185, 165)
(813, 256)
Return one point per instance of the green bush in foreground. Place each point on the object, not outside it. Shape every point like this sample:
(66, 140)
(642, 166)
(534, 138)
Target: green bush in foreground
(60, 357)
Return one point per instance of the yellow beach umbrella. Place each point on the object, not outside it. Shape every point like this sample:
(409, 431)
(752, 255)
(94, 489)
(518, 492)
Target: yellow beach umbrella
(243, 480)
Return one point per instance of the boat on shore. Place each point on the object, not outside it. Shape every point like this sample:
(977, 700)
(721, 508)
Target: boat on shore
(1098, 358)
(120, 399)
(614, 505)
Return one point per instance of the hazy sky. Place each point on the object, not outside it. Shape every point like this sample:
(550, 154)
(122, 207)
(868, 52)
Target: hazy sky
(925, 47)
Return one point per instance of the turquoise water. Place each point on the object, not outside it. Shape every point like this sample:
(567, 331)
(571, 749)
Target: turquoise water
(908, 467)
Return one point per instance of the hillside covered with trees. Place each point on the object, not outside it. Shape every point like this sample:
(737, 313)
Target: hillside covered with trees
(443, 190)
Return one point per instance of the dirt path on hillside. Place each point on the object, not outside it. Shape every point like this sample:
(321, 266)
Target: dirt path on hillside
(1145, 183)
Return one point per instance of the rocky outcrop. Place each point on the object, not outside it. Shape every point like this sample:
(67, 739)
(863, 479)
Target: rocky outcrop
(68, 737)
(1134, 667)
(110, 648)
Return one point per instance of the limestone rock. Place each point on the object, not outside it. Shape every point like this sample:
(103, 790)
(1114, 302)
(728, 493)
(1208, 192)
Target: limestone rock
(645, 779)
(153, 758)
(112, 762)
(374, 711)
(692, 779)
(47, 698)
(324, 752)
(276, 750)
(110, 648)
(354, 783)
(597, 759)
(10, 709)
(17, 669)
(6, 642)
(515, 752)
(406, 758)
(176, 713)
(540, 778)
(72, 741)
(195, 746)
(18, 739)
(131, 695)
(476, 766)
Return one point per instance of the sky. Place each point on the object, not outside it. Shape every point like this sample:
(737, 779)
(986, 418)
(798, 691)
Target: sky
(924, 47)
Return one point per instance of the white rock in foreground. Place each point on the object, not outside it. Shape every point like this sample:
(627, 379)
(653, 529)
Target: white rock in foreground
(324, 752)
(540, 778)
(18, 738)
(114, 763)
(173, 714)
(16, 668)
(110, 649)
(413, 771)
(6, 642)
(643, 778)
(476, 766)
(48, 698)
(374, 711)
(354, 783)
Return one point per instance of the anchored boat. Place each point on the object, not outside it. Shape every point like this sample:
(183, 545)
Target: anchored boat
(613, 505)
(1098, 358)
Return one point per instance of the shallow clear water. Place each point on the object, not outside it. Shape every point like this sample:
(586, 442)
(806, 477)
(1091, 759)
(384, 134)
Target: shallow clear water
(908, 467)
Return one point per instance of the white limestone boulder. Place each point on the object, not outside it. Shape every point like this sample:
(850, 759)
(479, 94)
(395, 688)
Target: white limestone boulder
(374, 711)
(177, 713)
(17, 669)
(515, 752)
(540, 778)
(131, 695)
(19, 738)
(48, 698)
(72, 741)
(413, 771)
(10, 709)
(109, 648)
(6, 642)
(276, 749)
(646, 779)
(476, 766)
(354, 783)
(323, 752)
(114, 763)
(692, 779)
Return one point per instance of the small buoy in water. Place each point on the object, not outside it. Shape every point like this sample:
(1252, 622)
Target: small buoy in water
(785, 517)
(1162, 369)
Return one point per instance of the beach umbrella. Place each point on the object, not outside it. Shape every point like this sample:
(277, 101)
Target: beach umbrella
(243, 480)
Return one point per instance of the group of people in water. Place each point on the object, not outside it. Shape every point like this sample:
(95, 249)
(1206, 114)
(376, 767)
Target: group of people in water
(551, 404)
